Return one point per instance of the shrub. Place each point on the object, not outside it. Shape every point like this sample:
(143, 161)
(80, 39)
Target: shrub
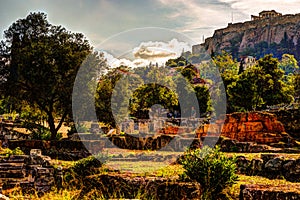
(82, 168)
(8, 152)
(212, 169)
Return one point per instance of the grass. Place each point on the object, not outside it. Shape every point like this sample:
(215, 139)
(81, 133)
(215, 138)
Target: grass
(64, 164)
(65, 194)
(138, 167)
(251, 156)
(151, 169)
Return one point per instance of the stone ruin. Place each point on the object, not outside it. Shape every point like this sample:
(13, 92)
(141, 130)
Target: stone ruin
(267, 192)
(271, 166)
(259, 127)
(27, 171)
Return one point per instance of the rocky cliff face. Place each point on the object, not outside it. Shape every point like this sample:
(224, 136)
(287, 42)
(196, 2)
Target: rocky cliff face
(259, 127)
(247, 34)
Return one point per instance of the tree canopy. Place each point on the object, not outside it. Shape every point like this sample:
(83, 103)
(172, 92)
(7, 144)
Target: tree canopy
(44, 60)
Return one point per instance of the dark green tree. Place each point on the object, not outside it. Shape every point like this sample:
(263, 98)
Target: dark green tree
(44, 61)
(103, 97)
(277, 93)
(288, 64)
(246, 92)
(259, 86)
(203, 97)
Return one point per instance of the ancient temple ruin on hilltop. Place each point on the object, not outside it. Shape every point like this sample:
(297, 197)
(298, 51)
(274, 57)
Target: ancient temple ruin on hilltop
(266, 14)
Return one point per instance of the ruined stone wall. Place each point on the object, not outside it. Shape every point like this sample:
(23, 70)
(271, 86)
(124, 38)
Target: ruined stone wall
(156, 187)
(271, 166)
(28, 171)
(267, 192)
(290, 119)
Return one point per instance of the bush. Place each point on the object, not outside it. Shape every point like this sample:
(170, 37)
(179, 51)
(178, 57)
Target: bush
(82, 168)
(212, 169)
(8, 152)
(85, 166)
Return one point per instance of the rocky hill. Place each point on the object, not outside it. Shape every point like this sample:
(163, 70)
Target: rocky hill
(240, 37)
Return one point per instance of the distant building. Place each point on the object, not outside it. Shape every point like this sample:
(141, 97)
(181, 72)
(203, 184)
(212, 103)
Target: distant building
(246, 62)
(266, 14)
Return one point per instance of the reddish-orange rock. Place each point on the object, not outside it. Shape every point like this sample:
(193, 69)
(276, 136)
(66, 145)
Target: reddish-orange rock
(257, 127)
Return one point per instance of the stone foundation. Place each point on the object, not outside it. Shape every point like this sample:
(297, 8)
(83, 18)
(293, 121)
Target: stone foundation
(271, 166)
(290, 119)
(151, 187)
(267, 192)
(28, 171)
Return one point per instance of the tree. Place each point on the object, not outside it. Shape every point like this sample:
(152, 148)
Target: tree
(156, 90)
(85, 87)
(189, 72)
(288, 64)
(203, 97)
(296, 83)
(44, 61)
(278, 92)
(259, 86)
(225, 62)
(246, 92)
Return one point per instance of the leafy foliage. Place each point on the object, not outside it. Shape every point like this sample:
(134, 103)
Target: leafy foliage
(44, 60)
(259, 86)
(212, 169)
(8, 152)
(84, 167)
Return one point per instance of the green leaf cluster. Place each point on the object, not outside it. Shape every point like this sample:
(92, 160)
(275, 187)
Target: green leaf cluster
(212, 169)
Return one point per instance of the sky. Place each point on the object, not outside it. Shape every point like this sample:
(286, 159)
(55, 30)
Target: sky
(111, 21)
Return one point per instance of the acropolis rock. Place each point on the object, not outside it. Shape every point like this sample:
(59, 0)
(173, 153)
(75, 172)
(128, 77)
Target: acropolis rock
(247, 34)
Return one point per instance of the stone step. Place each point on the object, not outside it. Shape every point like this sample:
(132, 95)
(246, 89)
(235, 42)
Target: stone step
(15, 161)
(12, 184)
(42, 170)
(4, 166)
(12, 174)
(17, 180)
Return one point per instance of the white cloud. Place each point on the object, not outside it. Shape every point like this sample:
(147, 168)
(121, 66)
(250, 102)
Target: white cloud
(256, 6)
(200, 17)
(154, 50)
(150, 51)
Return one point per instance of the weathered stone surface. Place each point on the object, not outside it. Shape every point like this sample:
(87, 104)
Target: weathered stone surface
(268, 192)
(291, 170)
(3, 197)
(273, 168)
(256, 166)
(270, 166)
(259, 127)
(242, 164)
(290, 119)
(32, 171)
(157, 188)
(249, 33)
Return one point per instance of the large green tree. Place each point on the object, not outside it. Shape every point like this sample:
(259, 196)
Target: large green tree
(44, 61)
(278, 92)
(259, 86)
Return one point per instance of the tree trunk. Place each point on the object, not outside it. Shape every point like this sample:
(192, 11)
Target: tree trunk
(53, 130)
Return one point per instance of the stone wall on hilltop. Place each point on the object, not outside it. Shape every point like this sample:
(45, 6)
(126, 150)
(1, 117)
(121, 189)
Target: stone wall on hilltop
(249, 33)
